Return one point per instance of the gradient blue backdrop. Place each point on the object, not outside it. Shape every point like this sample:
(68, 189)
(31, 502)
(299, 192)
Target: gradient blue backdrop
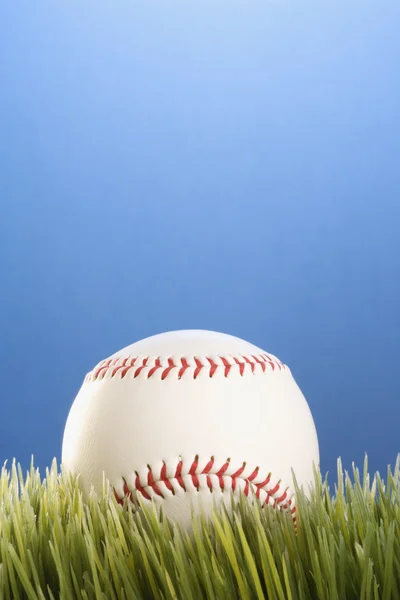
(227, 165)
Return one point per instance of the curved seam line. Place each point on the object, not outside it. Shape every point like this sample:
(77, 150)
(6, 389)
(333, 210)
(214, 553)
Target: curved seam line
(208, 470)
(151, 365)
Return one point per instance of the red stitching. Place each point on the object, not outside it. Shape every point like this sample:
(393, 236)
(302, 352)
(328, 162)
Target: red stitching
(227, 366)
(151, 366)
(166, 371)
(214, 366)
(185, 365)
(241, 365)
(152, 482)
(199, 367)
(154, 369)
(260, 361)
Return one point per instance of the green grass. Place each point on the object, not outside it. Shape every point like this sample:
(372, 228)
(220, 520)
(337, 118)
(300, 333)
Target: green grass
(52, 545)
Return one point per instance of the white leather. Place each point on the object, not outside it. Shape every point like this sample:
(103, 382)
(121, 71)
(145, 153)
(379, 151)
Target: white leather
(124, 426)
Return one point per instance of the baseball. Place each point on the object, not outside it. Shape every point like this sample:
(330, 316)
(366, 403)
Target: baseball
(191, 416)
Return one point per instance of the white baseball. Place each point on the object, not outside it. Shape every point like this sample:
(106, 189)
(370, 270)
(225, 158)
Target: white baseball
(192, 414)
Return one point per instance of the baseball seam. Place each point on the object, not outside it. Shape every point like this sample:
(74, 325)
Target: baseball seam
(132, 367)
(212, 477)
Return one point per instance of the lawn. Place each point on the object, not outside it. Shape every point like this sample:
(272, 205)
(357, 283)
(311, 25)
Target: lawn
(346, 544)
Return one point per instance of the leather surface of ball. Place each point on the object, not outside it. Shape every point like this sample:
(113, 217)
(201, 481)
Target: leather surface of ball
(189, 414)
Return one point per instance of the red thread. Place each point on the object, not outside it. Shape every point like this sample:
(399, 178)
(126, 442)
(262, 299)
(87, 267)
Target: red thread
(275, 489)
(171, 366)
(254, 474)
(151, 366)
(199, 367)
(192, 472)
(154, 369)
(185, 365)
(260, 362)
(214, 366)
(208, 466)
(227, 365)
(249, 362)
(100, 372)
(241, 365)
(265, 482)
(138, 371)
(127, 491)
(178, 475)
(282, 498)
(165, 480)
(124, 371)
(239, 471)
(140, 489)
(153, 483)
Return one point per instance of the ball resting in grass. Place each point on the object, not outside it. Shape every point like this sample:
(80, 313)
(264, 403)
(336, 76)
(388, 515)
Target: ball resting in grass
(191, 414)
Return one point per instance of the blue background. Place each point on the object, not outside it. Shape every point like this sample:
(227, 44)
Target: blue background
(226, 165)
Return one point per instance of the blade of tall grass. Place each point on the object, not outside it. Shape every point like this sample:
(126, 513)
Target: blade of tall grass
(250, 562)
(65, 584)
(22, 573)
(270, 572)
(171, 589)
(202, 551)
(287, 579)
(149, 569)
(225, 534)
(35, 576)
(340, 506)
(97, 569)
(388, 573)
(13, 588)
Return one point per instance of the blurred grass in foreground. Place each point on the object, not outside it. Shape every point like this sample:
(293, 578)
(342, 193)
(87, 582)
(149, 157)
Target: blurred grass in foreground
(54, 546)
